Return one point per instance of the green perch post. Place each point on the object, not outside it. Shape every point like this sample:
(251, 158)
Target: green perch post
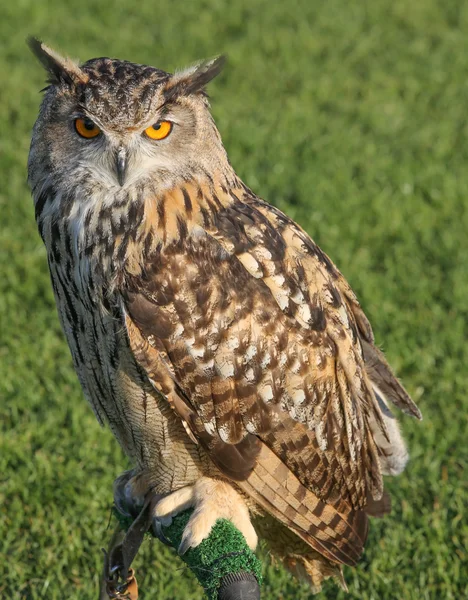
(220, 561)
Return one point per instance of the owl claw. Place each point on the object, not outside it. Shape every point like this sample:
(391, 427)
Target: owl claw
(121, 501)
(211, 500)
(184, 546)
(158, 525)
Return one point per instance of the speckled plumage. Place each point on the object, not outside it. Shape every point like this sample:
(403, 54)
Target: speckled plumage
(206, 327)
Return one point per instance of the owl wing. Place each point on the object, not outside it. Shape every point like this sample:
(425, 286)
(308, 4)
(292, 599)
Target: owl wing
(254, 337)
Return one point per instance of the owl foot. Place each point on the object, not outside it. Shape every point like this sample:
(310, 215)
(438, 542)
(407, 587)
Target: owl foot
(130, 490)
(211, 500)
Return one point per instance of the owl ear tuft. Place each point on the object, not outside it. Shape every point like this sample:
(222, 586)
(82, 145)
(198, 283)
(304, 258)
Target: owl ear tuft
(60, 69)
(194, 79)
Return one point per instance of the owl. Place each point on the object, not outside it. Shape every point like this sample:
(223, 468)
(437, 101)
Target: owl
(227, 353)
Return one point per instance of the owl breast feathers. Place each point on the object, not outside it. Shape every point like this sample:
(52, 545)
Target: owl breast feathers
(206, 326)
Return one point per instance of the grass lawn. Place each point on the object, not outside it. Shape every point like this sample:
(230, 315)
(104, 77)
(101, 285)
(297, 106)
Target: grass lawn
(351, 117)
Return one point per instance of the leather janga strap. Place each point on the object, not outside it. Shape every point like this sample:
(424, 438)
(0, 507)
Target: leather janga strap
(118, 577)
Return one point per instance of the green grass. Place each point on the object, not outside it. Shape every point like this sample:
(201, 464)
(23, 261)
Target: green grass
(350, 116)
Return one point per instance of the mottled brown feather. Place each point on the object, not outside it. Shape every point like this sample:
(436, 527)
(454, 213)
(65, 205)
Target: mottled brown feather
(281, 361)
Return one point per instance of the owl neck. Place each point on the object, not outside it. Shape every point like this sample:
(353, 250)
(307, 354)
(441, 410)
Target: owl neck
(113, 235)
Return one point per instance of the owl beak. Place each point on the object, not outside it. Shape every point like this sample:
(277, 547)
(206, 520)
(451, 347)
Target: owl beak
(121, 165)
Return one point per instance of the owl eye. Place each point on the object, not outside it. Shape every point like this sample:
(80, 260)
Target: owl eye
(86, 128)
(159, 130)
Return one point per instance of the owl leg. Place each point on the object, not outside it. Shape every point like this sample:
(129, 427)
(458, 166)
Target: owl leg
(211, 499)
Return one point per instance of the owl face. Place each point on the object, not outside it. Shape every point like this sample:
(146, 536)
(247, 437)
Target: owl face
(111, 124)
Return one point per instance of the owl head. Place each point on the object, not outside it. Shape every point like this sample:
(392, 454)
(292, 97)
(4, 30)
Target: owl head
(110, 124)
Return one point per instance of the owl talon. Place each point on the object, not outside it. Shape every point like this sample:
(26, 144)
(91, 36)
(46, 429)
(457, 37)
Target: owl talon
(131, 491)
(184, 546)
(211, 500)
(123, 502)
(158, 524)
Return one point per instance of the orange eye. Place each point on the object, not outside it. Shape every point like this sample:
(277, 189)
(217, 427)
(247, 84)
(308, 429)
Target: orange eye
(86, 128)
(159, 130)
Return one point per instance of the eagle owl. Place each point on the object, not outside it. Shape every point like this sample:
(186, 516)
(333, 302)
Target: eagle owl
(227, 353)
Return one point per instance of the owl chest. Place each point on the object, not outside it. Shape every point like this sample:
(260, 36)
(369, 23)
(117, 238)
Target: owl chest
(92, 331)
(90, 317)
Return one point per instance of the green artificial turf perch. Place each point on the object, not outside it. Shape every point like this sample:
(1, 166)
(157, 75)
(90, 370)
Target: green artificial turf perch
(224, 565)
(219, 558)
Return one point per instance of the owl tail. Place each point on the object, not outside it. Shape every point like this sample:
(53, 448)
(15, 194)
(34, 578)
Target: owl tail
(337, 536)
(314, 570)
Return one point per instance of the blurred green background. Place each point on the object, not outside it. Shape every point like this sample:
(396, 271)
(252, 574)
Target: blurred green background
(351, 117)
